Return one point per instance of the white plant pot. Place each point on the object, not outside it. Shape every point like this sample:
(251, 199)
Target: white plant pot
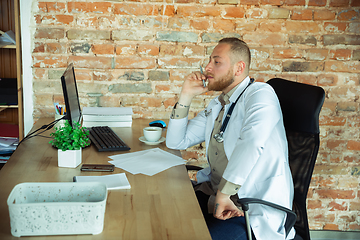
(69, 158)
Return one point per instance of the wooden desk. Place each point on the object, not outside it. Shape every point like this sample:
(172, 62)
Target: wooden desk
(163, 206)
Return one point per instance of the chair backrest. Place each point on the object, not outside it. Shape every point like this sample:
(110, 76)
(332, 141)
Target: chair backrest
(300, 105)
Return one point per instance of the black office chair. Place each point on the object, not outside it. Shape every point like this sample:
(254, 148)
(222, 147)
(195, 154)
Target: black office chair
(300, 105)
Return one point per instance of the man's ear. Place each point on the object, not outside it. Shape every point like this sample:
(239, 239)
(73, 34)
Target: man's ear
(239, 68)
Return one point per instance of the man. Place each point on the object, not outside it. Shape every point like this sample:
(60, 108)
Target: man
(247, 151)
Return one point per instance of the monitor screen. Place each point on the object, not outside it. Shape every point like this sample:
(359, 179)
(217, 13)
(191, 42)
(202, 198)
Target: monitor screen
(72, 104)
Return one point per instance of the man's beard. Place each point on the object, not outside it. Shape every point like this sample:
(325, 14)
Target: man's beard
(222, 83)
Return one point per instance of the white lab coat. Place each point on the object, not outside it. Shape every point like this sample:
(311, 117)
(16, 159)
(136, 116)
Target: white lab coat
(256, 147)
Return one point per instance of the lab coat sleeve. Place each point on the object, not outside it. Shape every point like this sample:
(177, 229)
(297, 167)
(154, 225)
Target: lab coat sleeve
(262, 113)
(183, 133)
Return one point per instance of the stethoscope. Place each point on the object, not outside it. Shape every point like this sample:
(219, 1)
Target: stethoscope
(219, 137)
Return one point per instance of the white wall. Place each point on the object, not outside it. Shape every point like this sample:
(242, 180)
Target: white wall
(27, 28)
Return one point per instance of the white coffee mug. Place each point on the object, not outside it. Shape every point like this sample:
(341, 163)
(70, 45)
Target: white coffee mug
(152, 134)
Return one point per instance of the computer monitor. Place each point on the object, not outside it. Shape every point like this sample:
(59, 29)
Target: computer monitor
(71, 97)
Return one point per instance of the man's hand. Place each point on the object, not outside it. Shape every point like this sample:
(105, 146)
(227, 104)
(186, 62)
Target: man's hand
(192, 86)
(225, 208)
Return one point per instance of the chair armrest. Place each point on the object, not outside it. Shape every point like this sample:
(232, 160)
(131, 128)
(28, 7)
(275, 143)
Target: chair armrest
(290, 218)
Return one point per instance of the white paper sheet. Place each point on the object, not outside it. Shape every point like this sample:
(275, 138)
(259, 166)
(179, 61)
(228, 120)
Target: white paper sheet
(148, 162)
(112, 181)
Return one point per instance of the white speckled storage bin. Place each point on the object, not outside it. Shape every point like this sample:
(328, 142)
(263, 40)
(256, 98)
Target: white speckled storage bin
(57, 208)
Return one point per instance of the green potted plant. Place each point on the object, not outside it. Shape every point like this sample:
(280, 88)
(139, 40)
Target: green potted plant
(69, 140)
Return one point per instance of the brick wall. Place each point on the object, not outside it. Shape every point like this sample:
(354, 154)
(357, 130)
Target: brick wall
(136, 53)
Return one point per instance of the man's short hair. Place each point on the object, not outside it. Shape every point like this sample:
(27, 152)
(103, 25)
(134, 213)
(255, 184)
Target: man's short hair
(239, 50)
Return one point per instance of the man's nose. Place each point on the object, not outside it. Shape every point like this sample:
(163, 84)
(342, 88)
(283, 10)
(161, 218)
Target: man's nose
(208, 67)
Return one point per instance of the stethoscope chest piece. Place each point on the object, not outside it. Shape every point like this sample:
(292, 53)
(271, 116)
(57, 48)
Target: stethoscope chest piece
(219, 137)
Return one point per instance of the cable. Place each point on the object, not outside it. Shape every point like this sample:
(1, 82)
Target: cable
(43, 127)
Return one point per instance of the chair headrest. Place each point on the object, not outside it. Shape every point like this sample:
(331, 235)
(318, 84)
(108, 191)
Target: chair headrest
(300, 104)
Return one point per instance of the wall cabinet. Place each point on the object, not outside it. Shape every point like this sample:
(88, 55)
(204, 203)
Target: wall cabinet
(10, 63)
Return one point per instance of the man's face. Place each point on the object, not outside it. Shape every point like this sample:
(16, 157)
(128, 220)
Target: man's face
(219, 70)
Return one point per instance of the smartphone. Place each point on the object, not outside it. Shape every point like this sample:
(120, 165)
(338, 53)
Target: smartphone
(97, 168)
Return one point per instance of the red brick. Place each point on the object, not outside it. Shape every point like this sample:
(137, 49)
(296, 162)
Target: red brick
(335, 194)
(136, 9)
(355, 3)
(199, 24)
(272, 2)
(308, 79)
(86, 21)
(185, 1)
(340, 66)
(250, 2)
(246, 26)
(125, 49)
(302, 14)
(340, 3)
(324, 15)
(64, 19)
(39, 47)
(152, 50)
(352, 159)
(324, 182)
(234, 12)
(49, 61)
(354, 226)
(314, 204)
(109, 101)
(50, 33)
(331, 226)
(91, 62)
(39, 73)
(335, 27)
(135, 62)
(340, 54)
(302, 27)
(224, 24)
(295, 2)
(198, 11)
(37, 18)
(317, 3)
(274, 39)
(170, 50)
(327, 79)
(56, 48)
(103, 48)
(288, 53)
(193, 50)
(348, 15)
(101, 76)
(169, 103)
(271, 26)
(95, 7)
(332, 121)
(49, 7)
(334, 206)
(168, 10)
(179, 62)
(162, 88)
(83, 74)
(316, 54)
(353, 145)
(256, 13)
(354, 206)
(150, 102)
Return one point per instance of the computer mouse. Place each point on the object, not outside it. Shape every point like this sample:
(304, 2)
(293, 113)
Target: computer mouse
(157, 123)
